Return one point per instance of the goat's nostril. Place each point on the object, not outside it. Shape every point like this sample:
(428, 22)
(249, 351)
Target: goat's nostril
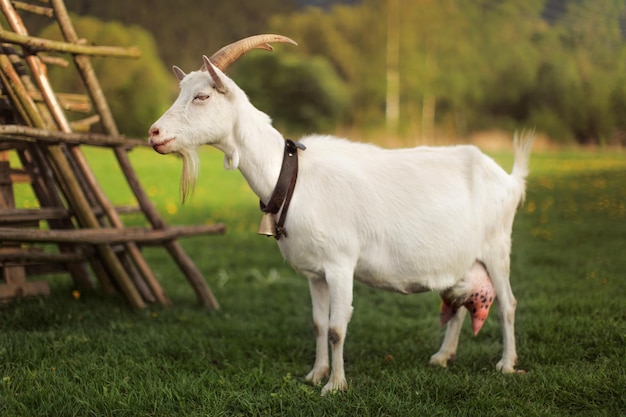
(154, 131)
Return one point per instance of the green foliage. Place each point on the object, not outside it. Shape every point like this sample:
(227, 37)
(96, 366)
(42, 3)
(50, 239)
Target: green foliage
(556, 65)
(350, 38)
(584, 66)
(138, 90)
(300, 94)
(92, 355)
(187, 29)
(485, 64)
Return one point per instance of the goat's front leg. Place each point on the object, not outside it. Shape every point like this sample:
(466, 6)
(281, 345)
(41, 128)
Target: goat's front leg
(321, 311)
(451, 339)
(340, 290)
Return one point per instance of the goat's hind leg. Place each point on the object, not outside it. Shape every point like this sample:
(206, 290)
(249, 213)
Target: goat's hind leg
(499, 271)
(447, 351)
(321, 315)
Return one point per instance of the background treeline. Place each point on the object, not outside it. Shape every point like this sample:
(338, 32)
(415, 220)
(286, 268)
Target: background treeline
(421, 69)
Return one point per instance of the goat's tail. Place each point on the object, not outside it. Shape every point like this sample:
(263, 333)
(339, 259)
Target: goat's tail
(522, 145)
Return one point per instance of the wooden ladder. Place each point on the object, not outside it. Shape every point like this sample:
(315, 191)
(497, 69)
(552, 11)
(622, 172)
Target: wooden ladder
(85, 227)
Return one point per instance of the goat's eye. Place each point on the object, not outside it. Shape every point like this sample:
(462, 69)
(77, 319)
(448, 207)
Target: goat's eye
(201, 97)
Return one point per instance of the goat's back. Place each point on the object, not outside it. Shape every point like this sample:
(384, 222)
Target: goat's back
(424, 211)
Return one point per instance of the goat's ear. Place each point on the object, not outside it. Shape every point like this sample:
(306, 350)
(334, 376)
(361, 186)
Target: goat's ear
(180, 74)
(208, 66)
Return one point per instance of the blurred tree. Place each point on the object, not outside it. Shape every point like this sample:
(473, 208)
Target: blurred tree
(555, 64)
(186, 29)
(138, 90)
(505, 44)
(558, 65)
(442, 73)
(353, 40)
(301, 95)
(454, 57)
(590, 36)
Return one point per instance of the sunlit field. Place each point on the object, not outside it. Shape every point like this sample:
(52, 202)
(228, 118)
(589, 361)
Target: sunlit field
(89, 354)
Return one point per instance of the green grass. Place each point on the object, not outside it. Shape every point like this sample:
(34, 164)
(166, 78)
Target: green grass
(94, 356)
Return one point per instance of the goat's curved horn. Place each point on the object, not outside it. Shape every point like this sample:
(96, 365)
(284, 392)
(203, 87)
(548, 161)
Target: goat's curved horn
(230, 53)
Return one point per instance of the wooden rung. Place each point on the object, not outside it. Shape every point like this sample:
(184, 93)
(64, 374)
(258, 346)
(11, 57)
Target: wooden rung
(71, 48)
(26, 256)
(78, 103)
(27, 289)
(54, 60)
(107, 236)
(83, 125)
(128, 209)
(119, 210)
(20, 176)
(11, 215)
(61, 177)
(30, 134)
(40, 10)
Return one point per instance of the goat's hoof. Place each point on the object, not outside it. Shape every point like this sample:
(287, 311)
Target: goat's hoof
(317, 375)
(333, 387)
(507, 366)
(441, 359)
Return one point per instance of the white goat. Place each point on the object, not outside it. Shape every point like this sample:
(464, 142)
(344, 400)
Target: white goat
(406, 220)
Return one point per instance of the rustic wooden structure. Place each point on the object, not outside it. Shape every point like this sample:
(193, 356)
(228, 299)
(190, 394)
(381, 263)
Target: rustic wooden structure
(76, 228)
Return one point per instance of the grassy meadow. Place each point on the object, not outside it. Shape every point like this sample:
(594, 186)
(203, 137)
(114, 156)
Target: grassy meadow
(89, 354)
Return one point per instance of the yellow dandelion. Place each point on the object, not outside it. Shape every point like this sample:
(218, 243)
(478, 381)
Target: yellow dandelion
(171, 208)
(76, 294)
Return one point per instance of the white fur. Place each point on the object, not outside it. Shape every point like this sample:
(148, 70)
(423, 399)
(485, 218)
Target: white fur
(406, 220)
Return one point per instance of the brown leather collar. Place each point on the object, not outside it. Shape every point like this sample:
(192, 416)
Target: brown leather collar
(281, 197)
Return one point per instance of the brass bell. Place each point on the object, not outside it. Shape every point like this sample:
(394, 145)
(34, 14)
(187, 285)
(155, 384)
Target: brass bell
(268, 225)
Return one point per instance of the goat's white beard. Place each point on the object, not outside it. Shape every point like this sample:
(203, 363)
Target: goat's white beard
(191, 163)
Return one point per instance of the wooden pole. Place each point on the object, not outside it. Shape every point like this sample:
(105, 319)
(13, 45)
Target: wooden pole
(106, 235)
(44, 188)
(21, 133)
(108, 208)
(193, 274)
(73, 192)
(40, 44)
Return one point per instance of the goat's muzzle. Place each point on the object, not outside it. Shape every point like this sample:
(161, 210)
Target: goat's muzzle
(156, 141)
(160, 146)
